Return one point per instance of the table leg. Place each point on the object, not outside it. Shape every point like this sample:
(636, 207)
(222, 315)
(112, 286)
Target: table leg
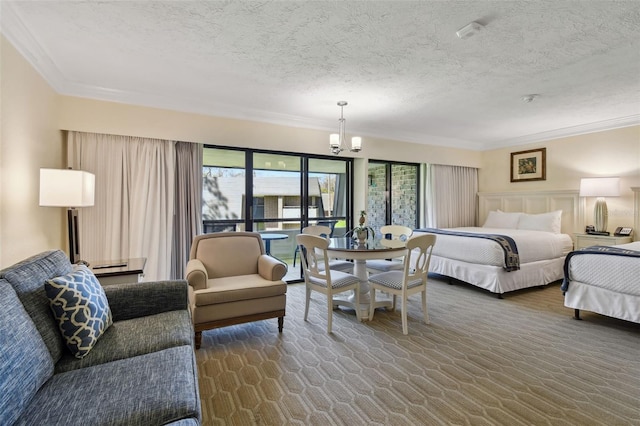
(267, 246)
(360, 271)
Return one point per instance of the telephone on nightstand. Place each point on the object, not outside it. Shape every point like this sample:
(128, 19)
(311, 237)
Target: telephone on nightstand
(622, 231)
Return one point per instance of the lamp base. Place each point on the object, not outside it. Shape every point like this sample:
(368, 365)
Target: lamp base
(74, 245)
(601, 215)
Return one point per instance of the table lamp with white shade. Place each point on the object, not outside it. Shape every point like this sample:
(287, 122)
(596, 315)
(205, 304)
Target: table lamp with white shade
(68, 188)
(600, 187)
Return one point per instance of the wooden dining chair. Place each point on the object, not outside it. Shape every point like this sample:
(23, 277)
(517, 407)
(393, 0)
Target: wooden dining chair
(411, 280)
(319, 277)
(398, 234)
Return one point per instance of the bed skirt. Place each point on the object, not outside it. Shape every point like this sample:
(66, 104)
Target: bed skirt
(602, 301)
(495, 278)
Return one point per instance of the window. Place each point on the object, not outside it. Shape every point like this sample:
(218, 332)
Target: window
(393, 195)
(274, 192)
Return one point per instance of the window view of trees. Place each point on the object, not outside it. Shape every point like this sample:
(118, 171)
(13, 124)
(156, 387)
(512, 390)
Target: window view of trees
(276, 190)
(216, 202)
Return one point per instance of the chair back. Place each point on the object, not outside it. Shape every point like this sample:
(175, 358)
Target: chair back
(227, 254)
(418, 257)
(317, 230)
(398, 232)
(331, 224)
(314, 256)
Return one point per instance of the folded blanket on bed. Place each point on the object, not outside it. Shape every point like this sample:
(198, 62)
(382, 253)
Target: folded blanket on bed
(508, 245)
(610, 250)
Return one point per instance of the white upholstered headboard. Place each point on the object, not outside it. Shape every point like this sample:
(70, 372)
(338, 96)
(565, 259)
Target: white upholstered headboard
(535, 202)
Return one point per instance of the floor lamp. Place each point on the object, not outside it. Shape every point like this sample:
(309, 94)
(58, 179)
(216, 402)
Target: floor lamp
(600, 187)
(68, 188)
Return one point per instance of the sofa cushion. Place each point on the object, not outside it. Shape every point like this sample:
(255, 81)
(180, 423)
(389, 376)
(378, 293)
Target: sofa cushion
(152, 389)
(238, 309)
(138, 336)
(25, 362)
(242, 287)
(79, 304)
(133, 300)
(27, 278)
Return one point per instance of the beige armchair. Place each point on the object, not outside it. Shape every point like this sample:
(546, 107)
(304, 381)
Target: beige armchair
(232, 281)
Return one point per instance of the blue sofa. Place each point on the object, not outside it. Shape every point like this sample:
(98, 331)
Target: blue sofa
(142, 370)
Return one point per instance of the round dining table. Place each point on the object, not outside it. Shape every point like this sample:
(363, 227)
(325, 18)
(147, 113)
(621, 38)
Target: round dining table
(267, 237)
(349, 248)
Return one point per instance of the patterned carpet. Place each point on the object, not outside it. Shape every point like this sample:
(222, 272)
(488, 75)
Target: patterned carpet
(521, 360)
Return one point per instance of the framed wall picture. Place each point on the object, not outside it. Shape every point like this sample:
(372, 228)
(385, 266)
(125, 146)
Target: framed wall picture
(529, 165)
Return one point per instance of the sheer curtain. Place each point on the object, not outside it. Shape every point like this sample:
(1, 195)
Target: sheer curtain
(188, 204)
(134, 202)
(450, 196)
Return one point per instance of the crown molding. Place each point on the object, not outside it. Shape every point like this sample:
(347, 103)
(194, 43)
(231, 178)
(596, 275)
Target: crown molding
(217, 109)
(600, 126)
(13, 28)
(205, 107)
(421, 139)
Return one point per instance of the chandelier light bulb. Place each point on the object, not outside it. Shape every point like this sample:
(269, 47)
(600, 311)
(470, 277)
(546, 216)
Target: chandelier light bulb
(356, 143)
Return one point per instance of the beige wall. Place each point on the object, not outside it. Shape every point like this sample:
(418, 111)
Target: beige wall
(610, 153)
(113, 118)
(30, 139)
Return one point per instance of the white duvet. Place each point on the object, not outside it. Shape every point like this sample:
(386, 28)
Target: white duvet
(532, 246)
(616, 273)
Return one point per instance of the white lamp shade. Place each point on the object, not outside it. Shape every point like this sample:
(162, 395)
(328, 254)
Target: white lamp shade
(334, 139)
(356, 143)
(66, 188)
(600, 187)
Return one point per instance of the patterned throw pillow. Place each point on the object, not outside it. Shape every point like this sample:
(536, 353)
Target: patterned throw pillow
(80, 306)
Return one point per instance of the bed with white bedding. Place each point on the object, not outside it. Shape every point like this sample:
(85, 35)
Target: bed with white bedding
(481, 262)
(604, 280)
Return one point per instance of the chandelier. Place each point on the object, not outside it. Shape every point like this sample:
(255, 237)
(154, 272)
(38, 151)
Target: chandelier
(337, 140)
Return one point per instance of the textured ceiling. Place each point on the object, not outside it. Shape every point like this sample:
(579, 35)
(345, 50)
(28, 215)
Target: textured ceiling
(399, 64)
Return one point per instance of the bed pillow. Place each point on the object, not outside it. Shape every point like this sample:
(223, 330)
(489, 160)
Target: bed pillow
(549, 222)
(80, 307)
(500, 219)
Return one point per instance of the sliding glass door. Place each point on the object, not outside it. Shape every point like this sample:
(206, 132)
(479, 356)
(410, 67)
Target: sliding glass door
(329, 194)
(393, 195)
(224, 182)
(276, 201)
(276, 194)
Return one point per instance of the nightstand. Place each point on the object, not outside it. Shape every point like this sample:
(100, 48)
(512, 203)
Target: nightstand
(587, 240)
(118, 271)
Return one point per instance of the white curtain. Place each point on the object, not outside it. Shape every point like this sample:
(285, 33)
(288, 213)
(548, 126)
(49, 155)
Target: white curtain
(133, 212)
(188, 204)
(450, 196)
